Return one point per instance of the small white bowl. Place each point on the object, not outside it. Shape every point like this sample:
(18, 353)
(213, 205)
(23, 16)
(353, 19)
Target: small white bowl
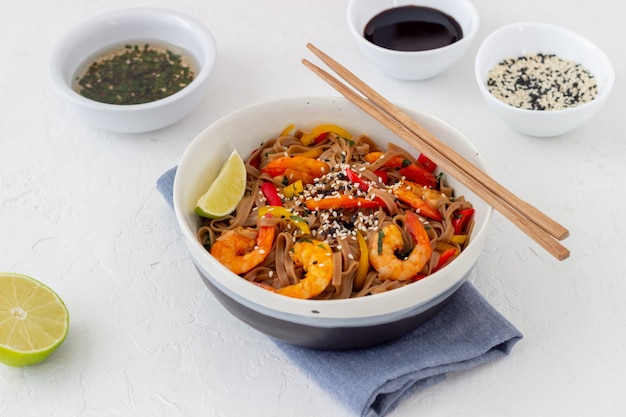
(519, 39)
(89, 39)
(417, 65)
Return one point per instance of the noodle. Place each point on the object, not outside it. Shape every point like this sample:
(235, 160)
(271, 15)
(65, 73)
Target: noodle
(333, 207)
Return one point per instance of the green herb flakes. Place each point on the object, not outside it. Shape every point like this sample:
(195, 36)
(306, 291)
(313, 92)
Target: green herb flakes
(135, 75)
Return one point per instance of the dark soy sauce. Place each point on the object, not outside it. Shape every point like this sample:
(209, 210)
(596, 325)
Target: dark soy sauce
(412, 28)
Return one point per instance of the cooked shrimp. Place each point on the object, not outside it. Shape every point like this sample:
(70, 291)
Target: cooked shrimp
(316, 258)
(297, 168)
(389, 241)
(240, 252)
(423, 199)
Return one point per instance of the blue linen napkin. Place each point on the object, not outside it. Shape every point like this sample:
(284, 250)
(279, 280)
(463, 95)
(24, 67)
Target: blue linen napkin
(371, 382)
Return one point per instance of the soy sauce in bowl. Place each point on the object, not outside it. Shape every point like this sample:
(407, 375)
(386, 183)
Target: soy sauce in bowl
(412, 28)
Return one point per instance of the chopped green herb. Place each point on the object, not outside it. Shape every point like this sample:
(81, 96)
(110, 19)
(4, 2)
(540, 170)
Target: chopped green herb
(135, 75)
(381, 235)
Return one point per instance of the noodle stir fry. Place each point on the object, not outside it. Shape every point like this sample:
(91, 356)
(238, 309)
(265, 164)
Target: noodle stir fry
(330, 215)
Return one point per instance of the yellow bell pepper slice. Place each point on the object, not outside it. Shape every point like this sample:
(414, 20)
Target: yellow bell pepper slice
(309, 138)
(443, 246)
(364, 263)
(288, 129)
(460, 239)
(285, 213)
(293, 189)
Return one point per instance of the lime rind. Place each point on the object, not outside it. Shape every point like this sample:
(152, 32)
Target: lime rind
(22, 356)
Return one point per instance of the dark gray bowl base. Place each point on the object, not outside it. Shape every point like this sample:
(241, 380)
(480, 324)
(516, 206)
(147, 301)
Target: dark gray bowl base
(337, 338)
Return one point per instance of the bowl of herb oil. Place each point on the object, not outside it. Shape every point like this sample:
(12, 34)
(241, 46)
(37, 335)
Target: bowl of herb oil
(134, 70)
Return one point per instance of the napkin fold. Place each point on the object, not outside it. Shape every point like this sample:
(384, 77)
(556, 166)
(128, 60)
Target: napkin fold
(371, 382)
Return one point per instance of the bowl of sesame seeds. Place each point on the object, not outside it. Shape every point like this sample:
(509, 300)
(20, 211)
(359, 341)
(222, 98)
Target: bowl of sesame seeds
(332, 323)
(134, 70)
(541, 79)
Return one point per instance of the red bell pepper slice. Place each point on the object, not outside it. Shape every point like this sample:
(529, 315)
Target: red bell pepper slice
(426, 163)
(256, 162)
(320, 138)
(460, 219)
(418, 277)
(354, 177)
(444, 257)
(271, 194)
(382, 175)
(417, 174)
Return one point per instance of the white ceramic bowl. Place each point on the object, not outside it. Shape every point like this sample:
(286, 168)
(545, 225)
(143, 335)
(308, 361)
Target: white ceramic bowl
(418, 65)
(518, 39)
(90, 38)
(336, 324)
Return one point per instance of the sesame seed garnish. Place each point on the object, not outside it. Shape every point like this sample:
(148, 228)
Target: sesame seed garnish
(541, 82)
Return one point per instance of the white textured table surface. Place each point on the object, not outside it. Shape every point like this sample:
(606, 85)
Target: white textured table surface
(79, 211)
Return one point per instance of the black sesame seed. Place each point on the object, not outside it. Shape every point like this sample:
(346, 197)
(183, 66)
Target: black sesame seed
(541, 82)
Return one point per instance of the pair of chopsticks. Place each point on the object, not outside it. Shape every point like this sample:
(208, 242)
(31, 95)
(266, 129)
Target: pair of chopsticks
(537, 225)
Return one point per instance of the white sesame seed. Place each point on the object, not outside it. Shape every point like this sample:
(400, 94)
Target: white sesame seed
(541, 82)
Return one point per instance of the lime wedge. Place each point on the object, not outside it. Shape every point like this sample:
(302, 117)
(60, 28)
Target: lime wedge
(33, 320)
(226, 190)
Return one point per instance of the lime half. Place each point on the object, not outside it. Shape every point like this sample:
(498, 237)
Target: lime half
(226, 190)
(33, 320)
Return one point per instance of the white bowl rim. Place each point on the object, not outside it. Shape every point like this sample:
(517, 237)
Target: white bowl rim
(201, 32)
(309, 310)
(602, 93)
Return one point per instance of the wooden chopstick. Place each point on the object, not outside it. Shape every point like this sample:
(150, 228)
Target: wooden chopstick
(527, 218)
